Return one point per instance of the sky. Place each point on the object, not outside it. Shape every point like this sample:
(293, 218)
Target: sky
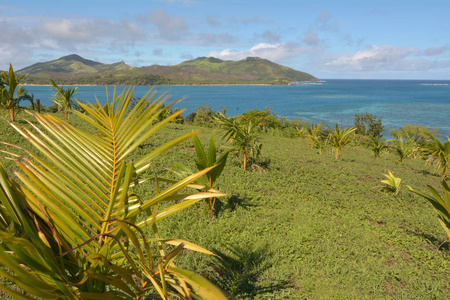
(346, 39)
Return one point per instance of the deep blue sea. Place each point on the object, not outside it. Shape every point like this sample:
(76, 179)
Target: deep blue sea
(398, 102)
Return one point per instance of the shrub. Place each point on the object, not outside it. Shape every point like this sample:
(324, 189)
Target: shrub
(368, 124)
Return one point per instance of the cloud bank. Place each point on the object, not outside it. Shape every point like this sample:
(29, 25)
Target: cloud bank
(274, 52)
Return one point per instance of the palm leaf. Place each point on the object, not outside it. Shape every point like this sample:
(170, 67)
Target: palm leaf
(81, 183)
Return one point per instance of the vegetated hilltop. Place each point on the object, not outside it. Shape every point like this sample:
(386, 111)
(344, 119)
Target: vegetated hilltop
(73, 69)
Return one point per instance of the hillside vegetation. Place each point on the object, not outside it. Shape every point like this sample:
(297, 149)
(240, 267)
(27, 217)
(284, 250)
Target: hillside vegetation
(74, 69)
(303, 225)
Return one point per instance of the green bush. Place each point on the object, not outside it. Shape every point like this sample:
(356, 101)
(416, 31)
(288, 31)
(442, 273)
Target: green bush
(368, 124)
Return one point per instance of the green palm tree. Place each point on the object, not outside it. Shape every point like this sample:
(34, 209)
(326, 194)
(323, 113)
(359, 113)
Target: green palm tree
(75, 223)
(8, 94)
(205, 159)
(63, 98)
(243, 138)
(440, 203)
(438, 153)
(404, 147)
(317, 136)
(339, 137)
(377, 146)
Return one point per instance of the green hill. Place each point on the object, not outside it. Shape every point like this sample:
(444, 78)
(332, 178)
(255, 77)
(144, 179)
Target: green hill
(73, 69)
(251, 68)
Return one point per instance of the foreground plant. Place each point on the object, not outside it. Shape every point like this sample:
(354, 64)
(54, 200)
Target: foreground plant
(377, 146)
(206, 160)
(392, 182)
(71, 226)
(440, 203)
(9, 97)
(243, 138)
(339, 137)
(404, 147)
(63, 98)
(438, 154)
(316, 136)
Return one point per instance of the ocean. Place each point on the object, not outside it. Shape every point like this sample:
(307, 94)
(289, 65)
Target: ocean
(397, 102)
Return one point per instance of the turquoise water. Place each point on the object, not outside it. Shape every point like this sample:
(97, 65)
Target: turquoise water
(398, 102)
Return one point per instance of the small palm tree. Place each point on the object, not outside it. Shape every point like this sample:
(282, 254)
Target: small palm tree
(8, 94)
(205, 160)
(404, 147)
(377, 146)
(71, 225)
(392, 182)
(440, 203)
(316, 136)
(339, 137)
(63, 98)
(243, 138)
(438, 153)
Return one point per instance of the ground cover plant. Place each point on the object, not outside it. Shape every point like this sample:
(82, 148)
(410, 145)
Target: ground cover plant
(306, 225)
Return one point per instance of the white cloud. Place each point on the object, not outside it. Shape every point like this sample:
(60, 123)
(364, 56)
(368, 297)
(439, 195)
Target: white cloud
(75, 31)
(386, 58)
(274, 52)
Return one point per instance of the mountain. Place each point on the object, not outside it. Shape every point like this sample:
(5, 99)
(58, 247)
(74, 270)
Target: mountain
(74, 69)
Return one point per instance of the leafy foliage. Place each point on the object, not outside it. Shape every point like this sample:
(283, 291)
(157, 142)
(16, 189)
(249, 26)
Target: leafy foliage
(438, 154)
(203, 116)
(339, 137)
(368, 124)
(206, 160)
(73, 219)
(317, 136)
(377, 146)
(418, 133)
(404, 147)
(63, 98)
(243, 138)
(9, 97)
(440, 203)
(392, 182)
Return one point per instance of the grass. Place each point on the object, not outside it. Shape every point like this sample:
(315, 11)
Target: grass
(303, 225)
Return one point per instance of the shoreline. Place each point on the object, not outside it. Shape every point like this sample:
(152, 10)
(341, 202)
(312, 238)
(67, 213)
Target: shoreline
(209, 84)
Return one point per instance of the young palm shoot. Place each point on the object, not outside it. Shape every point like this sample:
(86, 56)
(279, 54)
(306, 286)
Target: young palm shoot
(206, 160)
(392, 182)
(438, 154)
(63, 98)
(243, 138)
(377, 146)
(404, 147)
(440, 203)
(8, 95)
(315, 135)
(339, 137)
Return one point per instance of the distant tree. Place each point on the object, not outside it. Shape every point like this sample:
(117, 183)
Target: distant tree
(63, 98)
(368, 124)
(9, 97)
(203, 116)
(419, 133)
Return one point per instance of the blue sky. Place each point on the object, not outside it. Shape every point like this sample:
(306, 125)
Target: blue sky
(380, 39)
